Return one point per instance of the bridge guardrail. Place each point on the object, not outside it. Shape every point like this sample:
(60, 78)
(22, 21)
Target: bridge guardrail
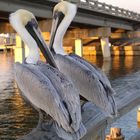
(100, 7)
(109, 9)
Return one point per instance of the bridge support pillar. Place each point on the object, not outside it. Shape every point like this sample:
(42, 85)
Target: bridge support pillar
(78, 47)
(105, 48)
(19, 50)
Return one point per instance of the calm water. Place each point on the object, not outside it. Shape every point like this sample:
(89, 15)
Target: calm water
(17, 118)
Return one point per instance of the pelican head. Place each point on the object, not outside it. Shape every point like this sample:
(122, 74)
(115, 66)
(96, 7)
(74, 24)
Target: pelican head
(25, 24)
(63, 14)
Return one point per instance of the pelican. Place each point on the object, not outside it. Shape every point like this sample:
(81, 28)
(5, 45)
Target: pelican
(44, 85)
(91, 82)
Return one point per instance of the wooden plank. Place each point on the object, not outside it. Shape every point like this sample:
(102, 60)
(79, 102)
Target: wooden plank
(136, 136)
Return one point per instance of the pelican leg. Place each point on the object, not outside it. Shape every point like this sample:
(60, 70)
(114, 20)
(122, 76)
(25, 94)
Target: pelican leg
(40, 121)
(41, 126)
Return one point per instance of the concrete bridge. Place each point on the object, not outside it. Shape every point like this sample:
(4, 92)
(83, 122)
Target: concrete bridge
(99, 24)
(95, 27)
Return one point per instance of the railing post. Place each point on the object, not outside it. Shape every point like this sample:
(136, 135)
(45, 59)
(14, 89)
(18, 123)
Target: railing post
(115, 134)
(101, 7)
(138, 118)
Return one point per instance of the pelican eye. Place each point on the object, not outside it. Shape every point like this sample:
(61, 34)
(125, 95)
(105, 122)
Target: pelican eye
(58, 14)
(55, 15)
(33, 23)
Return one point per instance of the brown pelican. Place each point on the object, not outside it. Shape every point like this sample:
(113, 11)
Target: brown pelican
(88, 79)
(42, 84)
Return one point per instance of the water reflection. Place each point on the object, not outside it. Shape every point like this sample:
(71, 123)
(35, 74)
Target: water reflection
(15, 115)
(118, 66)
(17, 118)
(106, 66)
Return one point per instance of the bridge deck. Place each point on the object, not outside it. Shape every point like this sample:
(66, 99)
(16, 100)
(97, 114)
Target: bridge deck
(91, 13)
(95, 6)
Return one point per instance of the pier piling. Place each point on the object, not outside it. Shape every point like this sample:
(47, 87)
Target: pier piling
(115, 134)
(138, 117)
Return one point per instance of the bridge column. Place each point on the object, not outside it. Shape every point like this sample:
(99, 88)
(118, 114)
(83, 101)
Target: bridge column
(103, 33)
(19, 50)
(78, 47)
(105, 48)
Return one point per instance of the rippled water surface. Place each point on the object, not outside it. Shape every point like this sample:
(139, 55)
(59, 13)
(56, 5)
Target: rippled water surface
(17, 118)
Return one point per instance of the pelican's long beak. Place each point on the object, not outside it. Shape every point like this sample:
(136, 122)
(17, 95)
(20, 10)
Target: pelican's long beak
(57, 19)
(33, 29)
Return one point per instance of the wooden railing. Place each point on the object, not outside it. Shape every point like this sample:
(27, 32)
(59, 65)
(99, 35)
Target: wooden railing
(127, 97)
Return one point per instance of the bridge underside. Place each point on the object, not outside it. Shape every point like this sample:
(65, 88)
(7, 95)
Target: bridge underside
(43, 9)
(91, 27)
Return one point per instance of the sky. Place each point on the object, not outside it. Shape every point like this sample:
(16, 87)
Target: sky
(133, 5)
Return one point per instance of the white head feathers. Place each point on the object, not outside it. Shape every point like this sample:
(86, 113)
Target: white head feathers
(18, 20)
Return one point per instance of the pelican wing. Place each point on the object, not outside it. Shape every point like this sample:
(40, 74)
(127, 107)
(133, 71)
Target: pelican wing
(39, 90)
(67, 92)
(102, 79)
(99, 73)
(87, 83)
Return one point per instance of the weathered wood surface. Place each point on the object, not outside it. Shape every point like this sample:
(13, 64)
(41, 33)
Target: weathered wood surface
(127, 97)
(136, 136)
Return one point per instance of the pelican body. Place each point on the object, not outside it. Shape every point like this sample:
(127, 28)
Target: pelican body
(43, 84)
(91, 82)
